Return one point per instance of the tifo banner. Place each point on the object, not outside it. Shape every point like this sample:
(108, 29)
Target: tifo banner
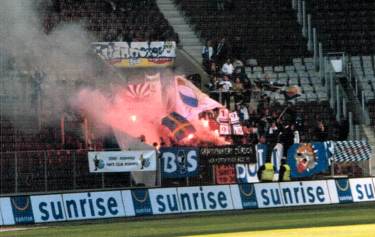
(228, 154)
(179, 162)
(137, 54)
(307, 159)
(346, 151)
(122, 161)
(156, 201)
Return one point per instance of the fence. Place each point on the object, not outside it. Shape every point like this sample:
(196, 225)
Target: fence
(67, 170)
(48, 171)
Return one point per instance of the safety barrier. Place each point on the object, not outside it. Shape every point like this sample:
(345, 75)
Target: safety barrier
(157, 201)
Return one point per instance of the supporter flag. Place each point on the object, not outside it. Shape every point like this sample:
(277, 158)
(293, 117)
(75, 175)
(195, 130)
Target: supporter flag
(179, 126)
(190, 101)
(292, 92)
(307, 159)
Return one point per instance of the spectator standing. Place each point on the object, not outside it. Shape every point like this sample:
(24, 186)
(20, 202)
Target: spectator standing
(226, 87)
(227, 68)
(320, 132)
(238, 90)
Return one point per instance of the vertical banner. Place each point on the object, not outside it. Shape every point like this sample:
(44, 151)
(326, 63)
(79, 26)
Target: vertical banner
(179, 162)
(244, 196)
(307, 159)
(141, 202)
(340, 191)
(225, 174)
(277, 155)
(22, 210)
(261, 154)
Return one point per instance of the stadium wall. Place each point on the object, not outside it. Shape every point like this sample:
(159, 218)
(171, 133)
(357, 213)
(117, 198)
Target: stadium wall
(157, 201)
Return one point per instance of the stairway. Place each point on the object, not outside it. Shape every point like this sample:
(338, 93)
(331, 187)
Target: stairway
(189, 41)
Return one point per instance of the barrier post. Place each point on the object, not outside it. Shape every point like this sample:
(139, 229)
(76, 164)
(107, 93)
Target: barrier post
(315, 48)
(75, 170)
(299, 11)
(321, 62)
(351, 134)
(45, 172)
(15, 173)
(338, 109)
(294, 4)
(103, 181)
(213, 175)
(304, 27)
(309, 33)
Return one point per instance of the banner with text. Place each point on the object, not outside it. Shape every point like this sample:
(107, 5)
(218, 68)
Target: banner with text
(137, 54)
(122, 161)
(179, 162)
(228, 154)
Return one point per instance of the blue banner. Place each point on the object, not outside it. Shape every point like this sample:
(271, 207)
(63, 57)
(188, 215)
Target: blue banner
(344, 192)
(307, 159)
(22, 210)
(248, 196)
(261, 153)
(179, 162)
(141, 202)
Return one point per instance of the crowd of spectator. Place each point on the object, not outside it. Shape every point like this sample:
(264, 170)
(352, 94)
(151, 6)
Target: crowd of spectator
(111, 20)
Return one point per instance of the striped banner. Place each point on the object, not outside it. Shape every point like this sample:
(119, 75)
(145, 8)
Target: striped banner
(347, 151)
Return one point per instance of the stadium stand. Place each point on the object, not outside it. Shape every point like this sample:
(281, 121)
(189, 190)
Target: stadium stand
(113, 20)
(344, 26)
(264, 30)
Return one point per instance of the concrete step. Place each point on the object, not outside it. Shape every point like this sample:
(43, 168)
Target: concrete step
(197, 48)
(176, 21)
(181, 28)
(192, 43)
(171, 13)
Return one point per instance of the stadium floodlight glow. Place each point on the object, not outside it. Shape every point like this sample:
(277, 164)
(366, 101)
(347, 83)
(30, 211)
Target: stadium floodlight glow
(133, 118)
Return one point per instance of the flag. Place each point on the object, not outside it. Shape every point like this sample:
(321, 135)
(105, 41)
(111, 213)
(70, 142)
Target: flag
(307, 159)
(347, 151)
(179, 126)
(190, 101)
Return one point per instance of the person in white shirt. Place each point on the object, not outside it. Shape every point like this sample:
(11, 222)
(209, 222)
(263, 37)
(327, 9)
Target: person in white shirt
(227, 68)
(225, 87)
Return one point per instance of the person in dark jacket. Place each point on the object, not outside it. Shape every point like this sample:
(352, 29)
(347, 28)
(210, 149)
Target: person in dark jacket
(320, 132)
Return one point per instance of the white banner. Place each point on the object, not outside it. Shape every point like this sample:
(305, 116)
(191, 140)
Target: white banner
(122, 161)
(96, 205)
(48, 208)
(132, 50)
(6, 211)
(362, 189)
